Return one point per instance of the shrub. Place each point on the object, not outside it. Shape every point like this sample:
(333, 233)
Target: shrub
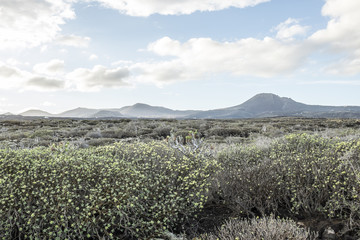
(311, 167)
(99, 142)
(319, 176)
(247, 180)
(94, 134)
(120, 191)
(125, 133)
(117, 133)
(162, 131)
(43, 133)
(74, 133)
(228, 132)
(267, 228)
(299, 176)
(190, 144)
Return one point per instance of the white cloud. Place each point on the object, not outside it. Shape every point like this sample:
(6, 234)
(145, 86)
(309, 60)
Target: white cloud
(93, 57)
(346, 66)
(289, 29)
(201, 56)
(11, 76)
(52, 67)
(98, 77)
(341, 35)
(162, 73)
(168, 7)
(167, 47)
(35, 22)
(44, 84)
(32, 22)
(73, 41)
(8, 71)
(50, 76)
(332, 82)
(341, 31)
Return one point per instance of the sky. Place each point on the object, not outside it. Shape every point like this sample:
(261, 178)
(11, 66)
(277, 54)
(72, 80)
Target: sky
(57, 55)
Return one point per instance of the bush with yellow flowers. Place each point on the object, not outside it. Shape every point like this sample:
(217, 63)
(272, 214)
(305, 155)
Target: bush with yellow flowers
(319, 176)
(125, 190)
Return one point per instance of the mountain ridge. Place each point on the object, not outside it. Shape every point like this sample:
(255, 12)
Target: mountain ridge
(35, 113)
(259, 106)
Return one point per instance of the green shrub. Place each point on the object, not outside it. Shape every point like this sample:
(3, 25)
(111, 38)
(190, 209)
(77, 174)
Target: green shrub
(100, 142)
(247, 180)
(319, 176)
(117, 133)
(125, 133)
(162, 132)
(298, 176)
(230, 132)
(94, 134)
(267, 228)
(43, 133)
(112, 192)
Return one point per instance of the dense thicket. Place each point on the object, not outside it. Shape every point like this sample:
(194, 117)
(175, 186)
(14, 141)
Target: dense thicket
(300, 176)
(119, 191)
(289, 185)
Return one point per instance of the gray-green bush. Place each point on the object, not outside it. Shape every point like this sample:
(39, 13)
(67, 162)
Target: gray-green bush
(301, 175)
(267, 228)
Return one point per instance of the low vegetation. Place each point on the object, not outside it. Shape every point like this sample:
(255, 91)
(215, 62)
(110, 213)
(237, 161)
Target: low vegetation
(300, 176)
(260, 228)
(200, 179)
(123, 190)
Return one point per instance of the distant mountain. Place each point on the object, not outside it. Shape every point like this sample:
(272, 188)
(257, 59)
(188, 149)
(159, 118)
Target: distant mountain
(8, 114)
(271, 105)
(106, 114)
(35, 113)
(259, 106)
(78, 113)
(262, 105)
(141, 110)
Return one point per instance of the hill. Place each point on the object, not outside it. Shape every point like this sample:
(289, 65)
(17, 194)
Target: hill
(79, 113)
(271, 105)
(260, 106)
(35, 113)
(141, 110)
(106, 114)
